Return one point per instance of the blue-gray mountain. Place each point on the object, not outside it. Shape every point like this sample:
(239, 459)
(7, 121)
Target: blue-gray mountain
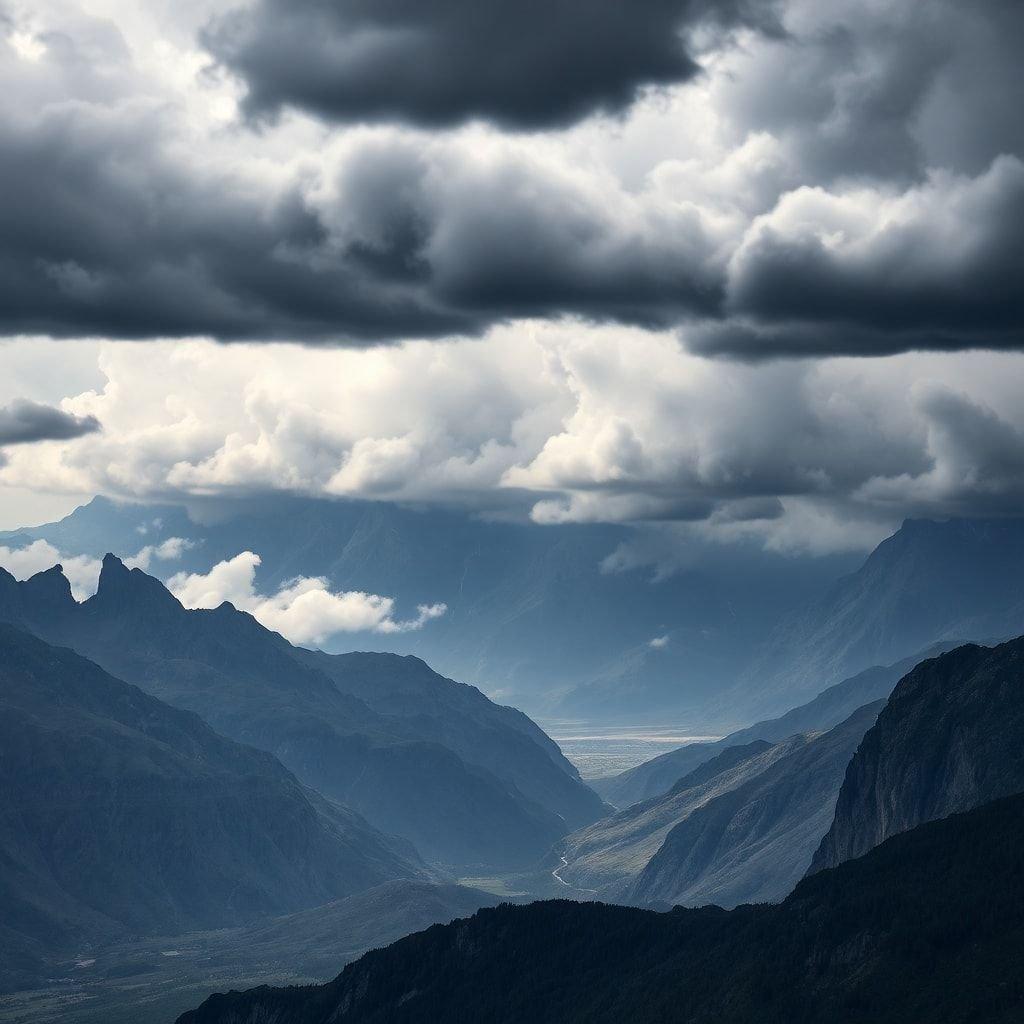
(657, 776)
(754, 842)
(931, 581)
(468, 782)
(123, 816)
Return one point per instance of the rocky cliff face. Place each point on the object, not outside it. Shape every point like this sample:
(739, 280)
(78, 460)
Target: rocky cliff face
(950, 738)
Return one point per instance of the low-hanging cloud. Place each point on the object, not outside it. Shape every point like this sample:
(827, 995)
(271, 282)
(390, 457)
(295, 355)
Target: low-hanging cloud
(304, 610)
(527, 64)
(25, 422)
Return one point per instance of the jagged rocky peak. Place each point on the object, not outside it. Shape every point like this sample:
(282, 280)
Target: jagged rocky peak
(119, 585)
(50, 587)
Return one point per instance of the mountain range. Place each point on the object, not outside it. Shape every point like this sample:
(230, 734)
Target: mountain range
(827, 709)
(910, 910)
(557, 620)
(560, 620)
(404, 769)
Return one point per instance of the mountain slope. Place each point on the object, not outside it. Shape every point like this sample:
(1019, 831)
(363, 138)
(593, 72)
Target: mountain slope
(610, 852)
(950, 738)
(928, 927)
(124, 815)
(828, 709)
(930, 581)
(403, 771)
(754, 842)
(500, 739)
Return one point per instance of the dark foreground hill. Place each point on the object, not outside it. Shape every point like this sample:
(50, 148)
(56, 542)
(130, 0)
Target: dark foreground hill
(927, 927)
(950, 738)
(123, 816)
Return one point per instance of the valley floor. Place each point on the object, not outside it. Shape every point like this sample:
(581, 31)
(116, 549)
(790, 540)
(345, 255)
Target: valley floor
(600, 750)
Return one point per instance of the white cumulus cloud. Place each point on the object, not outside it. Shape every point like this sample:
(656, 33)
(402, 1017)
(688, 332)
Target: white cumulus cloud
(304, 610)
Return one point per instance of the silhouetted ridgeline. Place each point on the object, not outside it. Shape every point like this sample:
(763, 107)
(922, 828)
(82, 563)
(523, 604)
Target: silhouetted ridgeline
(927, 927)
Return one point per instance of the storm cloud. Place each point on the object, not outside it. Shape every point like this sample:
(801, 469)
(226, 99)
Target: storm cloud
(25, 422)
(837, 179)
(525, 65)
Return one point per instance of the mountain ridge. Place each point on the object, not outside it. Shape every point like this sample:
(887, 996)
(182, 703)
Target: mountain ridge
(252, 685)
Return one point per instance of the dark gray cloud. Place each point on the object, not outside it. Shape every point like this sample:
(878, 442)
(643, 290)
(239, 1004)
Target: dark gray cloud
(23, 422)
(102, 233)
(879, 232)
(938, 267)
(886, 91)
(105, 230)
(519, 63)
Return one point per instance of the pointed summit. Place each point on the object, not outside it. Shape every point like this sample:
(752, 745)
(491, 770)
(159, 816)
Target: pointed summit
(113, 572)
(130, 589)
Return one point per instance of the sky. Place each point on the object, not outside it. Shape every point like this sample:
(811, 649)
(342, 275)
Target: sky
(730, 269)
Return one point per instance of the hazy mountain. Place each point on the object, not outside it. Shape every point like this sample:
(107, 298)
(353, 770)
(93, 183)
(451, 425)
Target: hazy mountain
(829, 708)
(754, 842)
(928, 927)
(603, 857)
(950, 738)
(533, 612)
(403, 770)
(459, 717)
(123, 815)
(931, 581)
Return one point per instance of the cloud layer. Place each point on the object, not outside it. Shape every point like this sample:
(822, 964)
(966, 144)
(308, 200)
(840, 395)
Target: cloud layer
(561, 423)
(839, 178)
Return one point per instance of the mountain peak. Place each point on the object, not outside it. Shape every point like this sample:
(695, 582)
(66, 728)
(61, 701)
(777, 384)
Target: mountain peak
(50, 586)
(119, 584)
